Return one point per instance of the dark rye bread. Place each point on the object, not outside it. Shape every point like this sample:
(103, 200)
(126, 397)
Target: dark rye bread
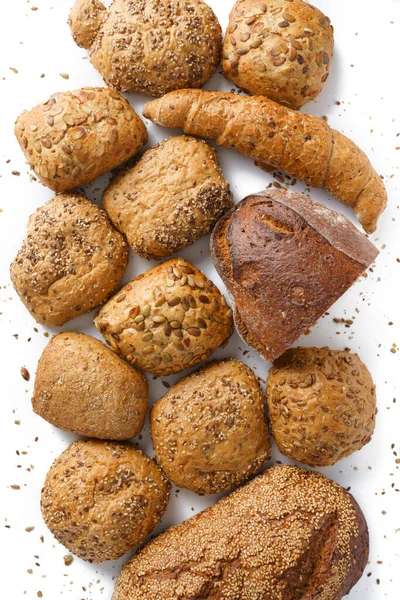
(285, 260)
(290, 534)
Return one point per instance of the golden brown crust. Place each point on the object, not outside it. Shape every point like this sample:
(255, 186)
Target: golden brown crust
(173, 195)
(71, 261)
(168, 319)
(289, 533)
(83, 387)
(302, 145)
(85, 20)
(321, 404)
(281, 50)
(209, 430)
(153, 46)
(101, 499)
(76, 136)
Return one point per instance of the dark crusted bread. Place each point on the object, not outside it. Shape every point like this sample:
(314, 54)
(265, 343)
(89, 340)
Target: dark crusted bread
(290, 534)
(285, 260)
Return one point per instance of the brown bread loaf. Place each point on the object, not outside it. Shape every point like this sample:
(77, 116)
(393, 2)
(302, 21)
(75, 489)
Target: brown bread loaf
(285, 260)
(288, 534)
(275, 136)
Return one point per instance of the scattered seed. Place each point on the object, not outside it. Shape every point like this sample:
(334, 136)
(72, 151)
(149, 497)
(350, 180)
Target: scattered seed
(25, 373)
(29, 529)
(68, 560)
(64, 75)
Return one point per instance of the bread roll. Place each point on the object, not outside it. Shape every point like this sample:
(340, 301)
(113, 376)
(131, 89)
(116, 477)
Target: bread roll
(83, 387)
(321, 405)
(209, 430)
(281, 50)
(289, 533)
(285, 260)
(71, 260)
(101, 499)
(168, 319)
(76, 136)
(172, 196)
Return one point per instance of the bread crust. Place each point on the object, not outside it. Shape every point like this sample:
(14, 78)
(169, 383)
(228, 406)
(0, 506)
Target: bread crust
(70, 262)
(289, 533)
(285, 260)
(84, 387)
(166, 320)
(172, 196)
(76, 136)
(282, 51)
(209, 431)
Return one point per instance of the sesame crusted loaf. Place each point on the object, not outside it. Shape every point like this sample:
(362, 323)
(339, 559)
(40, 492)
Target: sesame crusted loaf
(166, 320)
(302, 145)
(70, 262)
(149, 46)
(288, 534)
(101, 499)
(279, 49)
(171, 197)
(209, 431)
(76, 136)
(285, 260)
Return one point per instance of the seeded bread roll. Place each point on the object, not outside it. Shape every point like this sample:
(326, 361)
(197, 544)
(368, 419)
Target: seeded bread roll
(149, 46)
(83, 387)
(101, 499)
(76, 136)
(209, 430)
(321, 405)
(71, 261)
(288, 534)
(168, 319)
(279, 49)
(172, 196)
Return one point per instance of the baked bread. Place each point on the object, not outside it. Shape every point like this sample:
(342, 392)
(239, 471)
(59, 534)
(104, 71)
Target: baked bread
(289, 533)
(321, 405)
(275, 136)
(76, 136)
(281, 50)
(285, 260)
(151, 46)
(83, 387)
(173, 195)
(101, 499)
(209, 430)
(168, 319)
(70, 262)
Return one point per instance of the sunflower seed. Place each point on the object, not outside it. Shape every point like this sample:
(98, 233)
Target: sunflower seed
(283, 24)
(194, 331)
(176, 324)
(256, 44)
(170, 282)
(147, 337)
(292, 54)
(160, 301)
(177, 273)
(76, 172)
(260, 66)
(167, 329)
(232, 28)
(158, 319)
(148, 349)
(296, 45)
(90, 169)
(187, 359)
(250, 20)
(279, 60)
(166, 357)
(288, 17)
(245, 37)
(46, 143)
(178, 332)
(243, 51)
(205, 314)
(121, 297)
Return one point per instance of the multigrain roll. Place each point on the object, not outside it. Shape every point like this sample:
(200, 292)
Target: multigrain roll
(321, 404)
(84, 387)
(70, 262)
(289, 533)
(209, 431)
(173, 195)
(281, 49)
(166, 320)
(150, 47)
(76, 136)
(101, 499)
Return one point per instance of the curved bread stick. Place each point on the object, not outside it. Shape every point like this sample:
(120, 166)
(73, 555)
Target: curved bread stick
(302, 145)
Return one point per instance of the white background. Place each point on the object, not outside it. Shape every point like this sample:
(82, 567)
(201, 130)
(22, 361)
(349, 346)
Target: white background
(364, 79)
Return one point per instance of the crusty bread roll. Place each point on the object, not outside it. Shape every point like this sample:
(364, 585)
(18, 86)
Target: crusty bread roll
(84, 387)
(321, 405)
(172, 196)
(151, 47)
(281, 50)
(285, 260)
(70, 262)
(301, 145)
(76, 136)
(166, 320)
(101, 499)
(289, 533)
(209, 431)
